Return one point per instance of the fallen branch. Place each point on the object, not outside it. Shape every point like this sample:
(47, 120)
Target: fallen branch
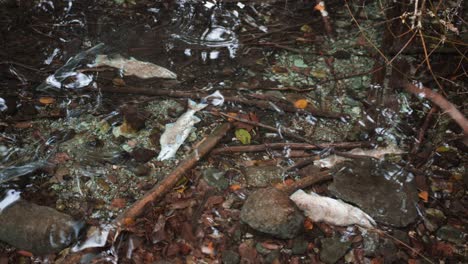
(423, 130)
(158, 191)
(262, 104)
(306, 182)
(292, 146)
(441, 102)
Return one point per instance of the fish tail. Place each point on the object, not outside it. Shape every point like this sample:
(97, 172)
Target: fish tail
(194, 106)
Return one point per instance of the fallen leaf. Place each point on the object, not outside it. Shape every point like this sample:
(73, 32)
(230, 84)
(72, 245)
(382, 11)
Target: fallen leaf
(301, 104)
(129, 221)
(46, 100)
(308, 224)
(24, 253)
(279, 69)
(208, 249)
(119, 203)
(424, 195)
(234, 187)
(22, 125)
(377, 260)
(118, 82)
(243, 136)
(306, 28)
(320, 7)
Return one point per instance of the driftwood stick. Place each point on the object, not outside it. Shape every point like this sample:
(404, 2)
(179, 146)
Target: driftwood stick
(158, 191)
(262, 104)
(306, 182)
(294, 146)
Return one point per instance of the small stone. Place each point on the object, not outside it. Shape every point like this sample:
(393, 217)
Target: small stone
(299, 246)
(271, 211)
(142, 170)
(333, 249)
(215, 178)
(263, 176)
(230, 257)
(451, 234)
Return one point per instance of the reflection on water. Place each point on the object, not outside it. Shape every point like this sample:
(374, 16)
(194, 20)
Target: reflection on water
(207, 24)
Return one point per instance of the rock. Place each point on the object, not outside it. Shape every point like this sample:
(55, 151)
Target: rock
(270, 211)
(215, 178)
(451, 234)
(374, 246)
(299, 246)
(143, 155)
(230, 257)
(38, 229)
(333, 249)
(263, 176)
(382, 189)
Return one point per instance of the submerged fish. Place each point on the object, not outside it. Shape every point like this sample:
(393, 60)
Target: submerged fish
(140, 69)
(175, 133)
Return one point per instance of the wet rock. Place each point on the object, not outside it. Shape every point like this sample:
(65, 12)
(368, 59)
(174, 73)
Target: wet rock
(215, 178)
(299, 246)
(333, 249)
(37, 229)
(273, 257)
(374, 246)
(451, 234)
(143, 155)
(263, 176)
(270, 211)
(230, 257)
(382, 189)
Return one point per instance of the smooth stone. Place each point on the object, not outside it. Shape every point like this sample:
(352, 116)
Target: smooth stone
(271, 211)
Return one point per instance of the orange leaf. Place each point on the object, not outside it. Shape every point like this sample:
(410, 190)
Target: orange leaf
(119, 202)
(301, 104)
(129, 221)
(424, 195)
(288, 182)
(24, 253)
(234, 187)
(308, 224)
(319, 7)
(231, 114)
(46, 100)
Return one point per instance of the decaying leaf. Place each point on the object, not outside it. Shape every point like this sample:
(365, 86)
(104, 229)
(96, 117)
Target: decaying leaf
(243, 136)
(301, 104)
(424, 195)
(47, 100)
(336, 212)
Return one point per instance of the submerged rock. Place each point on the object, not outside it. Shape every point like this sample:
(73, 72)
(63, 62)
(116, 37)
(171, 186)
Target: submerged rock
(263, 176)
(333, 249)
(270, 211)
(382, 189)
(38, 229)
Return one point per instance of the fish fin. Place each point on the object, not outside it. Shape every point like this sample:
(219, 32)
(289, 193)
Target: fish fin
(196, 119)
